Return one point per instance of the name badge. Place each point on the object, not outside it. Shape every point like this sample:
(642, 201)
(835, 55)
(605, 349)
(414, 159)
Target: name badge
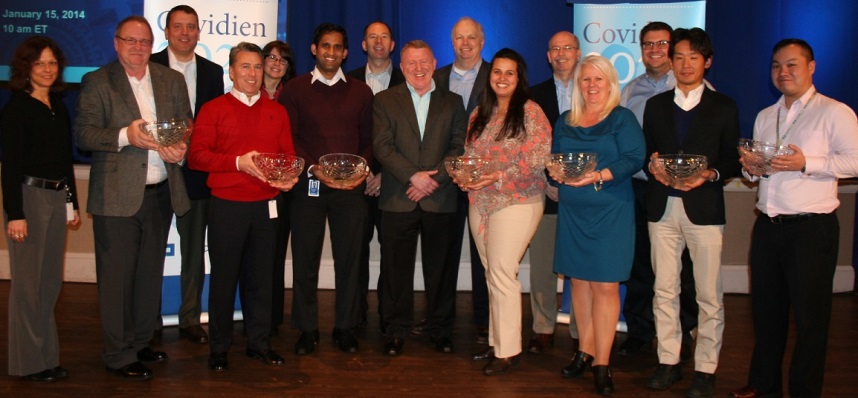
(313, 188)
(272, 208)
(69, 211)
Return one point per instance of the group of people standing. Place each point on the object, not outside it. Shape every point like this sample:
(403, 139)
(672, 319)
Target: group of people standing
(405, 121)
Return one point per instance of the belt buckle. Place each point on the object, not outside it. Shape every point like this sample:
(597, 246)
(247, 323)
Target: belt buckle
(776, 219)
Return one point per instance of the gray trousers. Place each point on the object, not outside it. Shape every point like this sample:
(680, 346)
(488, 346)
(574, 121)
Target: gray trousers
(192, 234)
(36, 267)
(543, 280)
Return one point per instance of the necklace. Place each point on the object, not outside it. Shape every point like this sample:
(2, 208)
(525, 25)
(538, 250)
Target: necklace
(781, 138)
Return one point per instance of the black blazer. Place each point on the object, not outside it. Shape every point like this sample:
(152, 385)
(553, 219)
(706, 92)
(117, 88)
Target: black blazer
(442, 79)
(209, 87)
(545, 95)
(714, 132)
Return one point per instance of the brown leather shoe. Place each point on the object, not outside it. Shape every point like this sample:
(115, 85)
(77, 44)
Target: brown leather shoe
(540, 342)
(194, 334)
(746, 392)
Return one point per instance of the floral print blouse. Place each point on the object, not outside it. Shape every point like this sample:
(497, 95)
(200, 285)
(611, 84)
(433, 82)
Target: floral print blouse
(521, 161)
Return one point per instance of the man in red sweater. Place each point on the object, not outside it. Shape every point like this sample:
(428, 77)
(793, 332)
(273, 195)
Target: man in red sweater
(329, 114)
(243, 215)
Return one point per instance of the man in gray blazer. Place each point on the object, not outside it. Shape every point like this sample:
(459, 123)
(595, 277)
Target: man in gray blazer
(415, 126)
(134, 188)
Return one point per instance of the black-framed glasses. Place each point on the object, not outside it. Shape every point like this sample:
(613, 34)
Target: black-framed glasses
(133, 42)
(274, 58)
(661, 44)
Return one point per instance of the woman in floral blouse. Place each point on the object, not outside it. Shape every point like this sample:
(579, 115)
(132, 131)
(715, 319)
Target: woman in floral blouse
(506, 205)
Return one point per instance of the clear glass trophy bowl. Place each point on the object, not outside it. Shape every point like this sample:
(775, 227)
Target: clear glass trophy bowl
(167, 132)
(278, 167)
(468, 169)
(570, 167)
(682, 168)
(343, 169)
(759, 154)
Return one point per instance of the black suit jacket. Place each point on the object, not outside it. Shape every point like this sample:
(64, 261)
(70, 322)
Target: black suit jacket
(209, 87)
(545, 95)
(714, 132)
(442, 79)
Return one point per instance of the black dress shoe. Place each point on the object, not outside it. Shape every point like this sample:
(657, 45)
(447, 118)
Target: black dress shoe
(45, 376)
(133, 371)
(268, 357)
(603, 380)
(580, 363)
(307, 343)
(443, 344)
(149, 355)
(393, 346)
(485, 355)
(420, 328)
(60, 372)
(345, 340)
(482, 334)
(702, 385)
(631, 346)
(218, 361)
(500, 365)
(194, 334)
(539, 342)
(665, 376)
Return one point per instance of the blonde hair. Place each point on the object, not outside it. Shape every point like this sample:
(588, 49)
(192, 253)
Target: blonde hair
(606, 68)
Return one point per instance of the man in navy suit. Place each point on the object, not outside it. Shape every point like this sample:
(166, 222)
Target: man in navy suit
(205, 82)
(690, 119)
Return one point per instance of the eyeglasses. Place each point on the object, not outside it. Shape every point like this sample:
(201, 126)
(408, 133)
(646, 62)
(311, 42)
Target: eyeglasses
(45, 65)
(274, 58)
(133, 42)
(661, 44)
(564, 48)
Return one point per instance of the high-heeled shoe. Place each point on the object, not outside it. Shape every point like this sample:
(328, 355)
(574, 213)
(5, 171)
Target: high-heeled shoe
(603, 379)
(580, 363)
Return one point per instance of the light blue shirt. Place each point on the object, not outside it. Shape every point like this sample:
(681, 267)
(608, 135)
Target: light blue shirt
(421, 106)
(638, 91)
(378, 82)
(564, 95)
(462, 81)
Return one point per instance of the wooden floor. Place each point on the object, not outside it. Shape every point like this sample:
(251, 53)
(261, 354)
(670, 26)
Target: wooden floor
(420, 371)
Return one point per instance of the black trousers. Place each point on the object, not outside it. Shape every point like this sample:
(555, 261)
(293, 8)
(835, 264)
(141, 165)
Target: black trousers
(278, 271)
(637, 307)
(241, 241)
(345, 212)
(479, 288)
(374, 215)
(398, 255)
(792, 265)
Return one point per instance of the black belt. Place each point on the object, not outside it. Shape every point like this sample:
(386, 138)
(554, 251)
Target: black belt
(46, 184)
(791, 218)
(156, 185)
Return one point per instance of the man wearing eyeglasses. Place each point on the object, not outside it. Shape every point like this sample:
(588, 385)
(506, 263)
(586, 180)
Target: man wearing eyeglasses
(205, 82)
(135, 185)
(554, 96)
(637, 307)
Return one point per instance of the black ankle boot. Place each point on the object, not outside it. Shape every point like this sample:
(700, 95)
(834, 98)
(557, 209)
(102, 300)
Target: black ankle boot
(603, 379)
(580, 363)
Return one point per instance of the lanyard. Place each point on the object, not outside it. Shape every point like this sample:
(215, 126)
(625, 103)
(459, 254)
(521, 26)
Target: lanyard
(782, 138)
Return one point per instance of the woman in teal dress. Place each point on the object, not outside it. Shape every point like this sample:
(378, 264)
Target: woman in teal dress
(596, 213)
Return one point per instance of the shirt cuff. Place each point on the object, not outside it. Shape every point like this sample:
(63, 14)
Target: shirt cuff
(236, 163)
(123, 138)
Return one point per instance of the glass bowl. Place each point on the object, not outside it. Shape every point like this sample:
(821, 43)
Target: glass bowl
(343, 169)
(570, 167)
(278, 167)
(759, 154)
(468, 169)
(167, 132)
(682, 168)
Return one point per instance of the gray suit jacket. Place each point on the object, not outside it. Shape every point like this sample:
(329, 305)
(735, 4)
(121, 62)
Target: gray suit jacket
(397, 145)
(106, 104)
(442, 79)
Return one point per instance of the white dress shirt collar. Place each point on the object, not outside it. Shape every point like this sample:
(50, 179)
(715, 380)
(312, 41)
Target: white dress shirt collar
(317, 75)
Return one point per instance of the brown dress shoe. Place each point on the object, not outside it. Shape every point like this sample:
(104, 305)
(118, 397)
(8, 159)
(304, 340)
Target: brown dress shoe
(194, 334)
(745, 392)
(540, 342)
(500, 365)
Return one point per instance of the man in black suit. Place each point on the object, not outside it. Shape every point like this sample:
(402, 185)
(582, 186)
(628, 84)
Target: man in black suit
(415, 126)
(696, 120)
(379, 74)
(205, 82)
(554, 96)
(467, 76)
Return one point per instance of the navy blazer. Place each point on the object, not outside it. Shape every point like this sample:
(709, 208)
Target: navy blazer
(714, 132)
(442, 79)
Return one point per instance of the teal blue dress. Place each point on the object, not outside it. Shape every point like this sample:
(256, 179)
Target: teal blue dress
(596, 230)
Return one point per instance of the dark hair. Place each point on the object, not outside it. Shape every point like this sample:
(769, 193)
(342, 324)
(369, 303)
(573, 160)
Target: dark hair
(513, 124)
(365, 28)
(133, 18)
(27, 53)
(805, 48)
(697, 38)
(325, 28)
(243, 46)
(185, 9)
(285, 53)
(655, 25)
